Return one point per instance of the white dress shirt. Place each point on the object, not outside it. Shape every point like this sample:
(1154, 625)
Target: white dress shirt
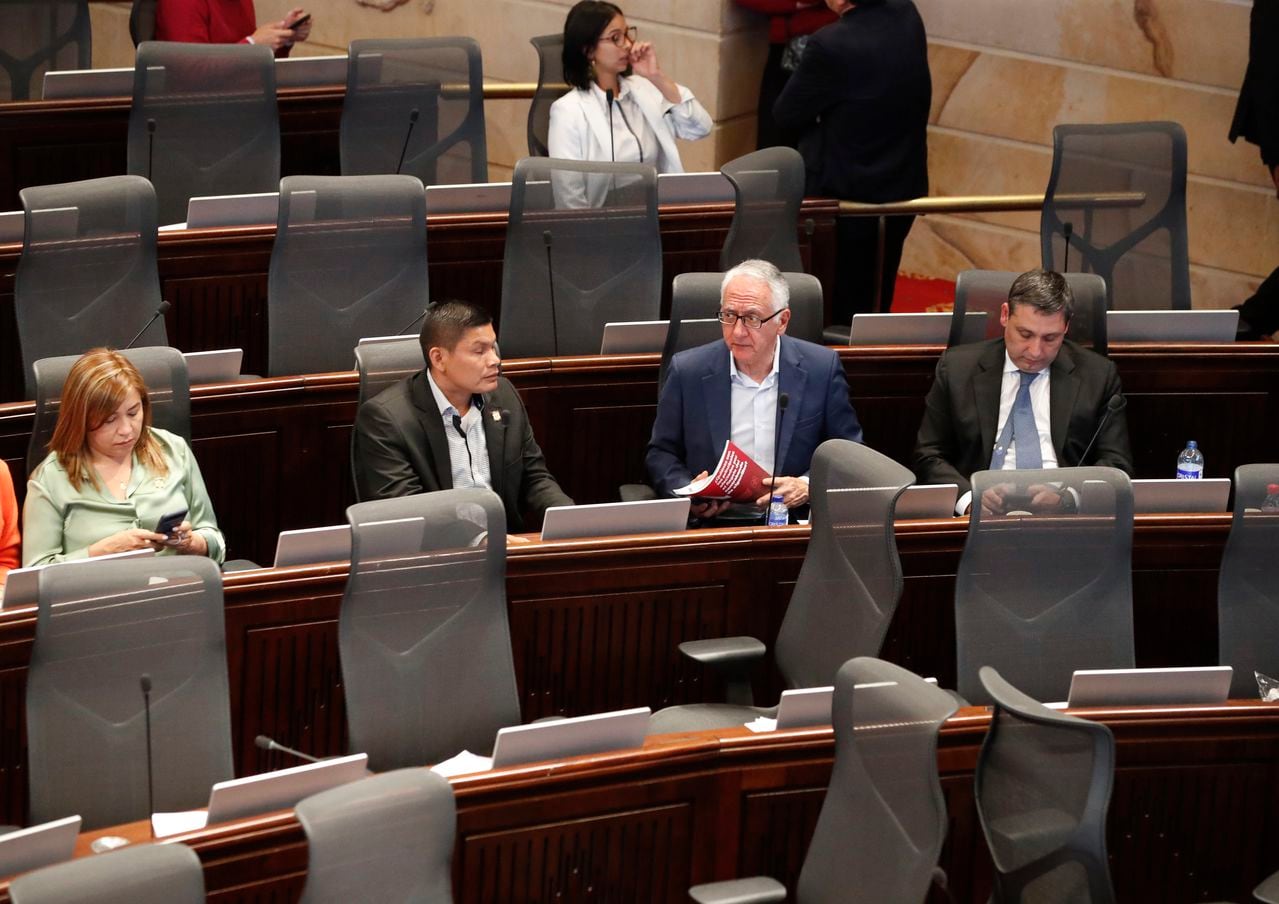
(468, 455)
(754, 411)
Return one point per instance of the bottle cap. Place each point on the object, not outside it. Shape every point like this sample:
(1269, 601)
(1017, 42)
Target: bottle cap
(1272, 489)
(1192, 445)
(777, 497)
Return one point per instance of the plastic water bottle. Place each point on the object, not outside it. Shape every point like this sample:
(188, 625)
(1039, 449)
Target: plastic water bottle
(1190, 463)
(778, 514)
(1271, 502)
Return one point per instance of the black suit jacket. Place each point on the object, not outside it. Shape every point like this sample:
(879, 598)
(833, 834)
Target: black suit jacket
(401, 449)
(962, 409)
(1257, 113)
(861, 96)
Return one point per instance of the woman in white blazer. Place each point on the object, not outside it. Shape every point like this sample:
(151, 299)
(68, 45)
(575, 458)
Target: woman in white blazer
(611, 114)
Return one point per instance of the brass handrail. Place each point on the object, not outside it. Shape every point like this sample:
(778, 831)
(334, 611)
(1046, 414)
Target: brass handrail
(988, 204)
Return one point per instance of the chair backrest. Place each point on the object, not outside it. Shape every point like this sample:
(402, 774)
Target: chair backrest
(349, 261)
(1045, 587)
(142, 21)
(1140, 249)
(142, 874)
(37, 36)
(769, 185)
(163, 369)
(550, 88)
(100, 627)
(593, 228)
(387, 838)
(381, 365)
(425, 604)
(851, 578)
(985, 292)
(204, 122)
(421, 99)
(1247, 592)
(1043, 787)
(884, 818)
(88, 274)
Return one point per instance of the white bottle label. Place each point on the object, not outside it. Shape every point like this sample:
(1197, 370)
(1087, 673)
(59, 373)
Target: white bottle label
(1189, 472)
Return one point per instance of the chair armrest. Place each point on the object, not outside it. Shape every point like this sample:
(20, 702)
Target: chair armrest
(724, 651)
(757, 890)
(1268, 891)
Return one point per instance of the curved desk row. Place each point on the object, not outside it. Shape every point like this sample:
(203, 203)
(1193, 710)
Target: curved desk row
(1191, 816)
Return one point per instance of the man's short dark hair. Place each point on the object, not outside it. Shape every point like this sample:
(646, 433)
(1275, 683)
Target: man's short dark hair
(1044, 290)
(446, 321)
(583, 27)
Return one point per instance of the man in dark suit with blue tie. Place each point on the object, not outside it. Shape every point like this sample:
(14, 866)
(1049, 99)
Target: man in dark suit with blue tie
(731, 390)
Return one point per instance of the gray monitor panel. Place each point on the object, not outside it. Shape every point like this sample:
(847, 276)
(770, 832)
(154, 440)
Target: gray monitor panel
(607, 519)
(42, 845)
(634, 337)
(1163, 495)
(1150, 687)
(1171, 326)
(313, 545)
(601, 733)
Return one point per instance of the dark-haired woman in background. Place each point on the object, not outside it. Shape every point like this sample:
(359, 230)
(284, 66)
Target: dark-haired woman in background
(110, 476)
(602, 55)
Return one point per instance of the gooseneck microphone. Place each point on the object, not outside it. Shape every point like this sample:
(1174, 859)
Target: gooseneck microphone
(783, 400)
(470, 462)
(412, 323)
(145, 682)
(612, 153)
(626, 122)
(413, 114)
(1067, 230)
(1116, 403)
(159, 312)
(265, 743)
(150, 146)
(550, 284)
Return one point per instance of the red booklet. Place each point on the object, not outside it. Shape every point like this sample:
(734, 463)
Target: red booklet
(737, 477)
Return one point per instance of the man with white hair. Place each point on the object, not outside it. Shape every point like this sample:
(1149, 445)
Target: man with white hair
(730, 390)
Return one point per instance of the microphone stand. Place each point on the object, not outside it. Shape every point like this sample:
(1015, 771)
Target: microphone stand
(413, 114)
(783, 401)
(550, 283)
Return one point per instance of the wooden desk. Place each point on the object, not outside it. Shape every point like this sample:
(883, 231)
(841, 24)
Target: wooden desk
(1194, 791)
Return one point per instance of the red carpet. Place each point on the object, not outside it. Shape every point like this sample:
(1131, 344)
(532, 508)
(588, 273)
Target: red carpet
(918, 294)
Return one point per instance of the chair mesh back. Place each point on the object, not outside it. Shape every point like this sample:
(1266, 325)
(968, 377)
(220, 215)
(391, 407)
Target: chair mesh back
(380, 366)
(769, 185)
(1043, 786)
(88, 273)
(1247, 592)
(550, 88)
(142, 21)
(884, 818)
(1041, 594)
(349, 261)
(217, 130)
(388, 838)
(144, 874)
(851, 579)
(423, 632)
(1141, 250)
(101, 626)
(163, 369)
(440, 78)
(981, 294)
(37, 36)
(606, 255)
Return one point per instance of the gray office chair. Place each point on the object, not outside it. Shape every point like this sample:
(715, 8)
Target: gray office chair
(884, 818)
(1247, 593)
(142, 874)
(37, 36)
(1045, 588)
(550, 88)
(980, 294)
(203, 122)
(1043, 787)
(142, 21)
(1268, 891)
(388, 838)
(769, 189)
(591, 230)
(695, 296)
(101, 627)
(349, 262)
(423, 632)
(88, 274)
(380, 366)
(415, 106)
(845, 597)
(1141, 249)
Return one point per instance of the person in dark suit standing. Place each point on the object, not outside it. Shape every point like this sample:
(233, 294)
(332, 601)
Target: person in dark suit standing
(1032, 399)
(861, 94)
(457, 423)
(731, 389)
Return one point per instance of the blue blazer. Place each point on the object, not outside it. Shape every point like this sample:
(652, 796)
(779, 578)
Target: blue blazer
(695, 408)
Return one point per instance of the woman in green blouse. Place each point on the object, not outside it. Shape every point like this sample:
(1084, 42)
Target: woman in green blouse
(110, 476)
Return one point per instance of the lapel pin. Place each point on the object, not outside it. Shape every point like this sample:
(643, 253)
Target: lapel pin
(496, 415)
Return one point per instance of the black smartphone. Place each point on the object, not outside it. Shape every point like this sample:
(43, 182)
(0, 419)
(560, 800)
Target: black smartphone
(301, 21)
(169, 523)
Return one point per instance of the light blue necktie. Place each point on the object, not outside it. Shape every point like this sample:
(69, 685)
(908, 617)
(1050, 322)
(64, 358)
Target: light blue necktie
(1020, 428)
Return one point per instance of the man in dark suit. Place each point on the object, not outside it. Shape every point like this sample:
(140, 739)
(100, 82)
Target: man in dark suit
(730, 390)
(1034, 376)
(861, 96)
(455, 424)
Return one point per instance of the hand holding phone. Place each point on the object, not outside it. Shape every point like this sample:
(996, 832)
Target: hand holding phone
(168, 524)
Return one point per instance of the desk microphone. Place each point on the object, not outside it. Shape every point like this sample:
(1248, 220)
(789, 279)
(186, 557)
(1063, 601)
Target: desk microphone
(1067, 229)
(413, 114)
(145, 682)
(159, 312)
(1116, 403)
(626, 122)
(612, 153)
(150, 146)
(550, 283)
(414, 322)
(783, 400)
(266, 743)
